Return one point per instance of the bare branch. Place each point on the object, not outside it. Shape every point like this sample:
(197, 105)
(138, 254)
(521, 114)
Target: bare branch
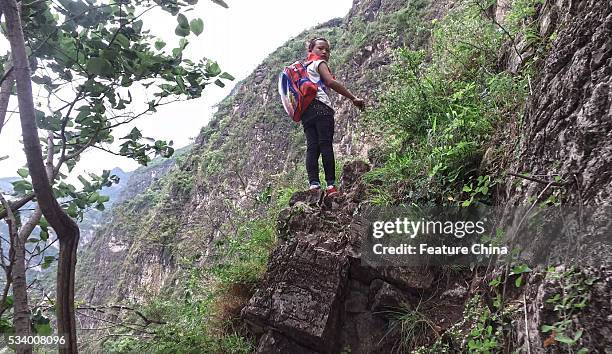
(121, 307)
(44, 249)
(117, 323)
(16, 205)
(554, 184)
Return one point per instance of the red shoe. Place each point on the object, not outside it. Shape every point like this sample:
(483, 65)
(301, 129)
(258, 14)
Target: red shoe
(331, 190)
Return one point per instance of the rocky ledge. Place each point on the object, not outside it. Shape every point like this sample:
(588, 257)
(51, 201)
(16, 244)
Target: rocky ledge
(317, 296)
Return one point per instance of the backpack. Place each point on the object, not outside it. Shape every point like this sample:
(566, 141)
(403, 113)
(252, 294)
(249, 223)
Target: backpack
(296, 90)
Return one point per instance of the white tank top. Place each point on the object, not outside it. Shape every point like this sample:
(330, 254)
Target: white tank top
(314, 76)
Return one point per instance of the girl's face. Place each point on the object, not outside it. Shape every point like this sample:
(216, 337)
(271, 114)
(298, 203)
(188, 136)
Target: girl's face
(321, 48)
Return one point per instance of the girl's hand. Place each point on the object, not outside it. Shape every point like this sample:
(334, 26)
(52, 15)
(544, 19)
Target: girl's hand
(359, 103)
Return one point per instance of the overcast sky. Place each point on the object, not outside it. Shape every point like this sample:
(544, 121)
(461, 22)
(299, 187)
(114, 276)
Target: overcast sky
(238, 38)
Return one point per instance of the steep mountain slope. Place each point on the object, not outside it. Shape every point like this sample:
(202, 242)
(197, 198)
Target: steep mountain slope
(249, 146)
(131, 185)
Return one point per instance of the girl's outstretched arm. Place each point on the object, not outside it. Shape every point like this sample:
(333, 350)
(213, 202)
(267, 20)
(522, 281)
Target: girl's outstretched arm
(330, 82)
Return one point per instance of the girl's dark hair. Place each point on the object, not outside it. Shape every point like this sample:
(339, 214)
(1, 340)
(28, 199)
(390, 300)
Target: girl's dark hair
(313, 41)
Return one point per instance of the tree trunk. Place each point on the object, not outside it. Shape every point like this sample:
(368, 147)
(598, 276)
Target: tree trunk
(66, 229)
(21, 310)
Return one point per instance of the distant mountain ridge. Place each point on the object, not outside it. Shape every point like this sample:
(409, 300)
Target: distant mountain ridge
(5, 184)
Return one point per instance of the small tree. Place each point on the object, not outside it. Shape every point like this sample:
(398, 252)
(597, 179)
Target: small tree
(88, 56)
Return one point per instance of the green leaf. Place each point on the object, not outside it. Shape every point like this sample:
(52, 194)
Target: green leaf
(123, 40)
(47, 262)
(518, 281)
(183, 43)
(72, 210)
(197, 26)
(219, 83)
(103, 199)
(93, 197)
(22, 186)
(109, 54)
(213, 69)
(44, 235)
(180, 82)
(71, 164)
(472, 344)
(560, 337)
(84, 182)
(547, 328)
(137, 26)
(23, 172)
(578, 335)
(159, 44)
(9, 301)
(99, 66)
(181, 31)
(220, 3)
(520, 269)
(226, 76)
(134, 134)
(182, 21)
(47, 122)
(43, 223)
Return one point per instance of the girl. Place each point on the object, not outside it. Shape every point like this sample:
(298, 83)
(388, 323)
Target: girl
(318, 118)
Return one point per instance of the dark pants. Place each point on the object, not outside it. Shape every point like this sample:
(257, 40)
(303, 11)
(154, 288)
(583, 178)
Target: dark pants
(318, 123)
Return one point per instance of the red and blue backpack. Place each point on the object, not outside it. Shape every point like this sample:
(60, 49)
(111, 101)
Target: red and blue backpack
(296, 90)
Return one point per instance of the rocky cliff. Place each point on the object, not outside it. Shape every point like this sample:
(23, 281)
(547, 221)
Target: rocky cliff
(566, 133)
(94, 247)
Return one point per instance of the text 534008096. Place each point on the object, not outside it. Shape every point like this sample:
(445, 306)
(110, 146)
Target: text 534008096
(36, 340)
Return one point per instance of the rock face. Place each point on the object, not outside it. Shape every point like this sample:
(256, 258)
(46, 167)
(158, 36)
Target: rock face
(568, 125)
(317, 294)
(567, 133)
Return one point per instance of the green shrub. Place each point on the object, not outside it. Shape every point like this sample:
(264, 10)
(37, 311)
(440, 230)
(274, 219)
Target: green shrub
(440, 112)
(246, 254)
